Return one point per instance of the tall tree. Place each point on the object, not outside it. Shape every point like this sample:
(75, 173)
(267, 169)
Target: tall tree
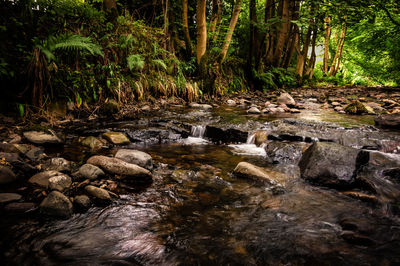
(232, 25)
(283, 31)
(328, 29)
(339, 50)
(215, 19)
(185, 26)
(201, 30)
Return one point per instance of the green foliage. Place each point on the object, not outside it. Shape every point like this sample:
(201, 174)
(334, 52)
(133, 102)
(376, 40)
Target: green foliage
(135, 62)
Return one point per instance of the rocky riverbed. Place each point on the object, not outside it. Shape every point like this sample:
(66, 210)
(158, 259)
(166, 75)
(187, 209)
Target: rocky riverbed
(259, 179)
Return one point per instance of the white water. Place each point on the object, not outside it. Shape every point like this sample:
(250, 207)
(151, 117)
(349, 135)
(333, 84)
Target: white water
(198, 131)
(249, 148)
(196, 136)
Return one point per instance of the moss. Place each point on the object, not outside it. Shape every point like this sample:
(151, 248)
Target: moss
(357, 108)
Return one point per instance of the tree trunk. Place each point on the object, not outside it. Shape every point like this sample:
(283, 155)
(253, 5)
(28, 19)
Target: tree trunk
(336, 61)
(292, 36)
(215, 19)
(282, 36)
(201, 30)
(185, 26)
(270, 36)
(111, 6)
(253, 58)
(313, 58)
(328, 30)
(232, 25)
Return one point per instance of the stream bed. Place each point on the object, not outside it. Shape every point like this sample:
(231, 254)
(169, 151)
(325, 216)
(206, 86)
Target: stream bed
(196, 212)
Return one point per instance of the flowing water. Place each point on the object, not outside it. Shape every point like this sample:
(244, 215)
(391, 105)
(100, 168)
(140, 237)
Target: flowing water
(197, 213)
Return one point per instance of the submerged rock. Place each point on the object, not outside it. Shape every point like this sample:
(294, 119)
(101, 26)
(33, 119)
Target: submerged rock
(98, 193)
(56, 204)
(92, 143)
(6, 175)
(127, 171)
(329, 164)
(388, 121)
(9, 197)
(38, 137)
(91, 172)
(250, 171)
(136, 157)
(116, 138)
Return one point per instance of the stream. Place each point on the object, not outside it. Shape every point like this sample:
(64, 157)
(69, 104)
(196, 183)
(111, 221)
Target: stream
(196, 212)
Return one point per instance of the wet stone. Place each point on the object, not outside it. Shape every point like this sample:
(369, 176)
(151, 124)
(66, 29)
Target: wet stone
(42, 179)
(254, 110)
(19, 207)
(388, 121)
(82, 203)
(60, 182)
(91, 172)
(9, 197)
(38, 137)
(56, 204)
(116, 138)
(6, 175)
(59, 164)
(287, 99)
(92, 143)
(135, 157)
(98, 193)
(250, 171)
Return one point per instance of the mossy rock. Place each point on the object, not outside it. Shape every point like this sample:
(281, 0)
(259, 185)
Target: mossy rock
(110, 107)
(358, 108)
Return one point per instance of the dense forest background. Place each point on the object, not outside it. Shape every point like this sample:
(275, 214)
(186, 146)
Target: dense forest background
(84, 52)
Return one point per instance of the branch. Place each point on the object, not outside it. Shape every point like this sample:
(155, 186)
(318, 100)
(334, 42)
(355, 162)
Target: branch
(390, 16)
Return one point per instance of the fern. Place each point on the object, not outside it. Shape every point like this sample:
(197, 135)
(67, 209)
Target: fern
(135, 62)
(160, 63)
(77, 43)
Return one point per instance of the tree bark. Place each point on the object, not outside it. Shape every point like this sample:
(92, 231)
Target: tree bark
(292, 36)
(185, 26)
(201, 30)
(328, 30)
(253, 58)
(215, 19)
(270, 35)
(313, 58)
(336, 61)
(232, 25)
(282, 36)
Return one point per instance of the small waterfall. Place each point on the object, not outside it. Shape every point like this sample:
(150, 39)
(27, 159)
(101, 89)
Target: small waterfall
(198, 131)
(251, 139)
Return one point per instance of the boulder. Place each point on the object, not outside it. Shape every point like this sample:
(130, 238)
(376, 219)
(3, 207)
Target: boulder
(259, 137)
(38, 137)
(6, 175)
(284, 153)
(9, 197)
(127, 171)
(60, 182)
(388, 121)
(91, 172)
(254, 110)
(42, 179)
(285, 98)
(110, 107)
(329, 164)
(56, 204)
(250, 171)
(358, 108)
(92, 143)
(116, 138)
(136, 157)
(98, 193)
(82, 203)
(231, 102)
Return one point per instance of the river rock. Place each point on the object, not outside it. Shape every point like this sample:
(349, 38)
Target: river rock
(10, 157)
(36, 154)
(9, 197)
(6, 175)
(56, 204)
(231, 102)
(92, 143)
(375, 106)
(254, 110)
(110, 107)
(286, 99)
(329, 164)
(136, 157)
(60, 182)
(250, 171)
(19, 207)
(260, 137)
(388, 121)
(91, 172)
(127, 171)
(116, 138)
(200, 106)
(59, 164)
(38, 137)
(98, 193)
(284, 153)
(82, 203)
(42, 179)
(358, 108)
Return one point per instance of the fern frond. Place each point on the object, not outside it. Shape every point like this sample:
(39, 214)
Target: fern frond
(160, 63)
(135, 62)
(77, 43)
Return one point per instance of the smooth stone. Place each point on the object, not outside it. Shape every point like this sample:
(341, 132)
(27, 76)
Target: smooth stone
(127, 171)
(98, 193)
(91, 172)
(19, 207)
(58, 164)
(231, 102)
(10, 157)
(136, 157)
(260, 137)
(56, 204)
(388, 121)
(92, 143)
(42, 179)
(376, 106)
(254, 110)
(9, 197)
(146, 108)
(116, 138)
(38, 137)
(286, 98)
(36, 154)
(60, 182)
(6, 175)
(329, 164)
(294, 111)
(82, 202)
(250, 171)
(200, 106)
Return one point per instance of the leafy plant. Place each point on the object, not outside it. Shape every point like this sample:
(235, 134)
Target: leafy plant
(135, 62)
